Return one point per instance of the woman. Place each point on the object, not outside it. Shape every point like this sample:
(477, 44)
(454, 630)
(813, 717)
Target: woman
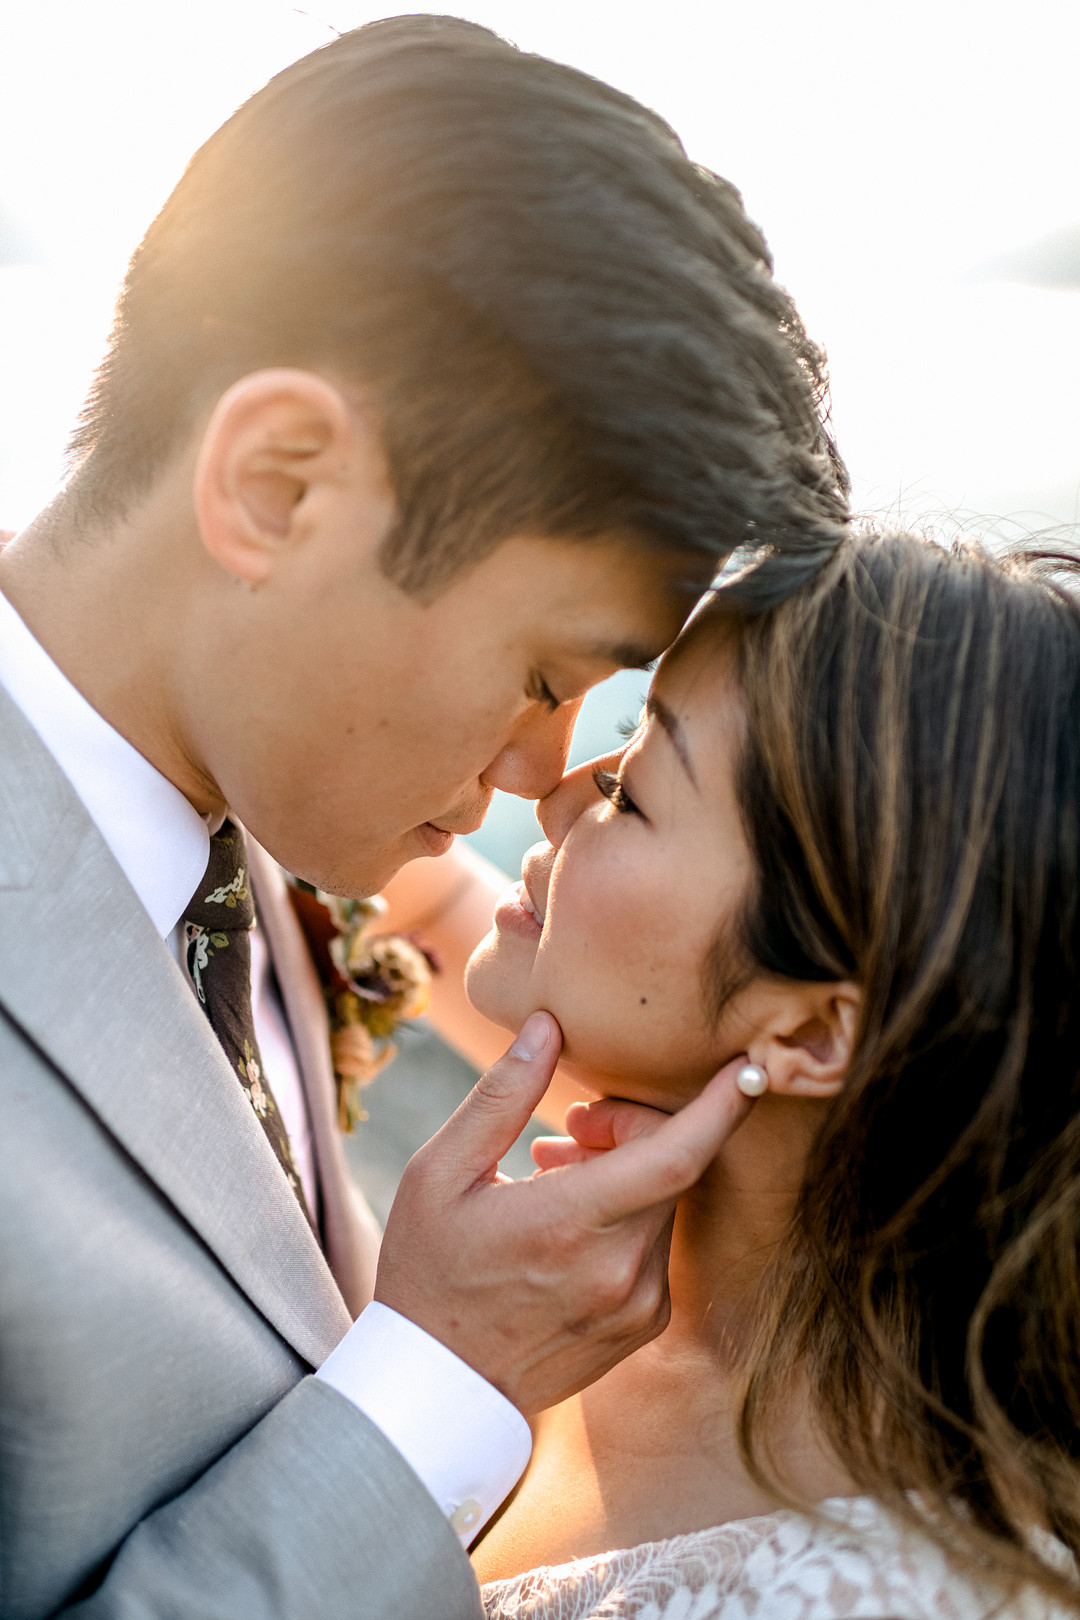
(843, 848)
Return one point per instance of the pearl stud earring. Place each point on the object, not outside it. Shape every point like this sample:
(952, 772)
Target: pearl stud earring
(752, 1081)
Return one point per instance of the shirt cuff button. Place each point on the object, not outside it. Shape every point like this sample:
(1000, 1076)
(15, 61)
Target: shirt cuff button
(464, 1518)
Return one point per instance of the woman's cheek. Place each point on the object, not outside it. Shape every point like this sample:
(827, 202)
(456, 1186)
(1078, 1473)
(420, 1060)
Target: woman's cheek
(621, 970)
(594, 974)
(591, 924)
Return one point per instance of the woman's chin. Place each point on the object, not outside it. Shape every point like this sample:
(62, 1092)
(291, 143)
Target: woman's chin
(493, 988)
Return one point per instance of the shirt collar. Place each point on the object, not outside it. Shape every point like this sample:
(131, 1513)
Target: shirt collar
(159, 840)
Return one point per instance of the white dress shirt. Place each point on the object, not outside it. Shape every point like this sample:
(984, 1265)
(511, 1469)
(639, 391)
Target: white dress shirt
(466, 1442)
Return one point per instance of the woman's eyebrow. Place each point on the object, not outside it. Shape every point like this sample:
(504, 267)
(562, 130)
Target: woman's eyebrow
(659, 711)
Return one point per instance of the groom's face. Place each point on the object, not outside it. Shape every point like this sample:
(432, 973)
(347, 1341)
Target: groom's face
(379, 724)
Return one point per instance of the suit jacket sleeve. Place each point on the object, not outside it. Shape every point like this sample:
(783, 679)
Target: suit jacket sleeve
(312, 1514)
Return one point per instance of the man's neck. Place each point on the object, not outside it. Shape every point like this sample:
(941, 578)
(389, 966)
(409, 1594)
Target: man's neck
(106, 605)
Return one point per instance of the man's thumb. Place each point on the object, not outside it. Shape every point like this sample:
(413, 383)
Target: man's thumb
(501, 1103)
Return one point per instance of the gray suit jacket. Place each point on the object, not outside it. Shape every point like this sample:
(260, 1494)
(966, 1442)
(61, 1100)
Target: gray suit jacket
(163, 1451)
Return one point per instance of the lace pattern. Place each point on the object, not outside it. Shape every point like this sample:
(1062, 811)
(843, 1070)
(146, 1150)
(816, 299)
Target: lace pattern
(854, 1563)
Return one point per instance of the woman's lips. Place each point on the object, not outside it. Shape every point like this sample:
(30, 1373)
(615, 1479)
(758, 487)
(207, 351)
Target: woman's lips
(515, 914)
(434, 840)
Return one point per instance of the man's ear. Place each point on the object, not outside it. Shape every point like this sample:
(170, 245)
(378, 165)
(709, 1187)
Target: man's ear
(275, 441)
(806, 1043)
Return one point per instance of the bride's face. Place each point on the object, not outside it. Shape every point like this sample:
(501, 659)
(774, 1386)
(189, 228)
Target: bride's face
(631, 893)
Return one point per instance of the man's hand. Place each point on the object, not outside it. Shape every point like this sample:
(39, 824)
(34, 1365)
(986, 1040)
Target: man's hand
(597, 1127)
(543, 1285)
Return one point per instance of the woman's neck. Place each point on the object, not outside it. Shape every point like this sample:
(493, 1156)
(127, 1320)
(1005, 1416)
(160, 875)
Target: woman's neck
(728, 1226)
(651, 1450)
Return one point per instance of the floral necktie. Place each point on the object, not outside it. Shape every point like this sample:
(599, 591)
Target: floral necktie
(217, 939)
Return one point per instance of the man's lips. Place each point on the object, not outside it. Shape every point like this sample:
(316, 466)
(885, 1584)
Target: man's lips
(433, 840)
(436, 836)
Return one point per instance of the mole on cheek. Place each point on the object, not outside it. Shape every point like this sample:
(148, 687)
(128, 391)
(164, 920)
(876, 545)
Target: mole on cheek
(643, 1000)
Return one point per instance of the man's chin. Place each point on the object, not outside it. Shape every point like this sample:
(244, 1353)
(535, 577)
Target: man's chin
(354, 879)
(365, 872)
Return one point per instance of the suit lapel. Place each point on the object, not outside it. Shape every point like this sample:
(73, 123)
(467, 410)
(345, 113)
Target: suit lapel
(350, 1232)
(90, 982)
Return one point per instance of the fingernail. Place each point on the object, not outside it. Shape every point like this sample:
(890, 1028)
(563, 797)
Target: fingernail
(533, 1037)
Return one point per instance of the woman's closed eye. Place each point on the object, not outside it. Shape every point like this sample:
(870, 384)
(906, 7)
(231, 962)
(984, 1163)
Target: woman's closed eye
(612, 789)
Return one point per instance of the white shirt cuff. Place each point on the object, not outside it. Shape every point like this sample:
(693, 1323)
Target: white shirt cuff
(467, 1443)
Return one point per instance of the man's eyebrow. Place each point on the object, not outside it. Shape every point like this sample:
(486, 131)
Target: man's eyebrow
(658, 710)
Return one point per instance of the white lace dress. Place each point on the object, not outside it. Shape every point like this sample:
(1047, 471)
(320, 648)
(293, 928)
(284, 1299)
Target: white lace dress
(855, 1562)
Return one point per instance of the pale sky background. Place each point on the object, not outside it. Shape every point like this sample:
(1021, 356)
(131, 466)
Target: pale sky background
(903, 159)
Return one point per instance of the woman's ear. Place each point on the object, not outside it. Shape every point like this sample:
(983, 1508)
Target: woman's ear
(805, 1041)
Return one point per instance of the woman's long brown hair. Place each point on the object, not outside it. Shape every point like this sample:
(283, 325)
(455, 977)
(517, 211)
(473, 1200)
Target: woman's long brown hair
(910, 785)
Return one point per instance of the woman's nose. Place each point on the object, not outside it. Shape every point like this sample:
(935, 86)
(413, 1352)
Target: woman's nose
(533, 761)
(558, 811)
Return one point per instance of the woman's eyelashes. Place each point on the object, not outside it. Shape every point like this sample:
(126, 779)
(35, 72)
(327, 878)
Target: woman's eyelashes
(612, 789)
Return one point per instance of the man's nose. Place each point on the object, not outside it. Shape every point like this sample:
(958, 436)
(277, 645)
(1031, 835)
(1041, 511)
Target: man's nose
(558, 811)
(533, 761)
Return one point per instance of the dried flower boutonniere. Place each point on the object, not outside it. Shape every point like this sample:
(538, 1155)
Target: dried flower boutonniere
(372, 982)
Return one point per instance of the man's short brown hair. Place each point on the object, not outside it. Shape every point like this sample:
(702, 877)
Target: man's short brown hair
(567, 327)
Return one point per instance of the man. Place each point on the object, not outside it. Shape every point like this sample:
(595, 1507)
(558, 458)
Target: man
(438, 390)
